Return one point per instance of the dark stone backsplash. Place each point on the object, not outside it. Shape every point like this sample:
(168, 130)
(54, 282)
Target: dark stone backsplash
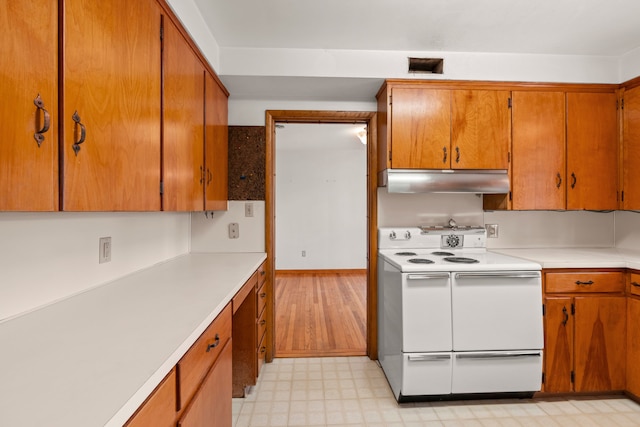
(247, 159)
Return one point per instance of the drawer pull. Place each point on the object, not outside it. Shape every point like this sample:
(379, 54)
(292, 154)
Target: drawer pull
(565, 315)
(589, 283)
(263, 322)
(83, 132)
(38, 136)
(215, 344)
(263, 295)
(636, 284)
(263, 350)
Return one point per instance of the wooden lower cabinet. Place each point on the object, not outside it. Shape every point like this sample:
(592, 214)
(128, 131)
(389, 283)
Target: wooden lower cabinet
(633, 346)
(211, 405)
(159, 410)
(585, 334)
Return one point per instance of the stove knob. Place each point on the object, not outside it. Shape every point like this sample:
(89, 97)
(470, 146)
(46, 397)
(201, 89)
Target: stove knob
(392, 235)
(407, 235)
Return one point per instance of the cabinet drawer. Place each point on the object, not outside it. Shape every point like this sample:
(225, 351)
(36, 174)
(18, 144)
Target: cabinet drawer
(262, 273)
(195, 364)
(262, 298)
(160, 407)
(261, 353)
(634, 283)
(261, 326)
(587, 281)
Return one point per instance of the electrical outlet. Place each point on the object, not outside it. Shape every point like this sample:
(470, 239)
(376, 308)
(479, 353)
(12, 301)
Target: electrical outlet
(104, 250)
(248, 209)
(234, 230)
(492, 230)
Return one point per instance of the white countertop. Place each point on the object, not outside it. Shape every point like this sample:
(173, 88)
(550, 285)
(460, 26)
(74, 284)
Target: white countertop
(578, 257)
(92, 359)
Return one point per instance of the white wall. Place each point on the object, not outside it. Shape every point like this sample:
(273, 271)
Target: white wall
(321, 197)
(210, 232)
(45, 257)
(627, 230)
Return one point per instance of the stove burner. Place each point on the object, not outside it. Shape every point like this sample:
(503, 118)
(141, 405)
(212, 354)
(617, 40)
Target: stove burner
(407, 253)
(461, 260)
(442, 253)
(420, 261)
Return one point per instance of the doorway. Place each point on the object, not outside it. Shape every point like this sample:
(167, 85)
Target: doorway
(321, 239)
(367, 120)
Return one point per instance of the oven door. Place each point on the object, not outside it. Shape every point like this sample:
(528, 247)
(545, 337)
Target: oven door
(495, 311)
(426, 312)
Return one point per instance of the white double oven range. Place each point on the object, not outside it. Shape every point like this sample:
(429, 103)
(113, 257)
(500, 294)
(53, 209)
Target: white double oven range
(456, 321)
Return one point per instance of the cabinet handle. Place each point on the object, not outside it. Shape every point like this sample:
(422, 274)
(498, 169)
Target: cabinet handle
(636, 284)
(215, 343)
(565, 313)
(457, 155)
(209, 176)
(201, 175)
(573, 180)
(263, 295)
(444, 151)
(38, 135)
(263, 322)
(83, 132)
(589, 283)
(558, 180)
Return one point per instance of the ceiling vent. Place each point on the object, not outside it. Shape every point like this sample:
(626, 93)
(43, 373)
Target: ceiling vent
(426, 65)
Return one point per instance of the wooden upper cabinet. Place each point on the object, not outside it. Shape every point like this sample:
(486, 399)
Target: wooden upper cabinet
(183, 144)
(538, 150)
(29, 75)
(216, 145)
(480, 129)
(111, 113)
(631, 149)
(420, 128)
(592, 151)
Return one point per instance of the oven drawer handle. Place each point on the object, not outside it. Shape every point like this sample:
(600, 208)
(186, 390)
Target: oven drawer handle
(428, 357)
(427, 276)
(531, 275)
(500, 355)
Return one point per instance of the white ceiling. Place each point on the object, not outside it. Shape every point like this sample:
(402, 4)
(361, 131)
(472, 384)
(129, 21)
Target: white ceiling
(548, 27)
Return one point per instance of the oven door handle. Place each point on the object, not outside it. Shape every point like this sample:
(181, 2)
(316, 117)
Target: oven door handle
(427, 276)
(499, 355)
(428, 357)
(508, 275)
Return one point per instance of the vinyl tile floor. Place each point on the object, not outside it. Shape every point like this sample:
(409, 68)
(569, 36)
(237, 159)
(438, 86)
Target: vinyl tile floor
(353, 391)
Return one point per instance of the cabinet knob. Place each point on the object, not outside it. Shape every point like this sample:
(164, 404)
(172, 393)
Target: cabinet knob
(263, 295)
(263, 322)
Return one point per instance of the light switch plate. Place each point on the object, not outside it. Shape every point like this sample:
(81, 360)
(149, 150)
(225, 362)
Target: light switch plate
(248, 209)
(104, 250)
(492, 230)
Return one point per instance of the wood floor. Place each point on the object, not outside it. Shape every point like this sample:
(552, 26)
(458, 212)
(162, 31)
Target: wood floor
(320, 314)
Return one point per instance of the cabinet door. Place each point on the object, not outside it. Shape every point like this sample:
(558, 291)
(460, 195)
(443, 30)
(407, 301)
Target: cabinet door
(216, 145)
(633, 346)
(631, 149)
(111, 150)
(558, 346)
(538, 150)
(183, 144)
(600, 343)
(420, 128)
(211, 406)
(592, 151)
(480, 129)
(29, 64)
(159, 410)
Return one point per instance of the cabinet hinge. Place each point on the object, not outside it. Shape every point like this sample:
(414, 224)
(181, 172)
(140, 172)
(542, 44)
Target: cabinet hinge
(573, 377)
(509, 157)
(391, 99)
(389, 156)
(161, 187)
(161, 31)
(622, 196)
(573, 308)
(544, 310)
(622, 104)
(543, 378)
(510, 196)
(509, 102)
